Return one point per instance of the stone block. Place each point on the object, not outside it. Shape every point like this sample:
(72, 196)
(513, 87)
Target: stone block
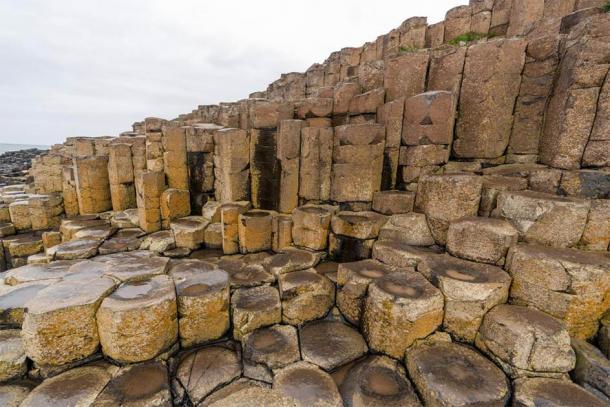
(314, 107)
(482, 240)
(596, 235)
(400, 308)
(409, 228)
(139, 320)
(592, 369)
(568, 284)
(493, 185)
(435, 35)
(282, 233)
(457, 22)
(229, 214)
(367, 102)
(358, 225)
(423, 155)
(20, 215)
(311, 225)
(231, 161)
(267, 114)
(255, 230)
(429, 119)
(445, 198)
(305, 295)
(175, 203)
(544, 218)
(470, 290)
(189, 231)
(12, 356)
(393, 202)
(315, 163)
(507, 337)
(212, 236)
(120, 166)
(390, 115)
(405, 75)
(528, 391)
(268, 349)
(123, 196)
(254, 308)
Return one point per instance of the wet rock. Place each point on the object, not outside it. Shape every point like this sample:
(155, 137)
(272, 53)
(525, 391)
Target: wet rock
(13, 300)
(307, 385)
(569, 284)
(408, 228)
(133, 266)
(450, 374)
(202, 371)
(76, 387)
(203, 301)
(470, 290)
(353, 280)
(329, 344)
(139, 320)
(74, 249)
(376, 381)
(268, 349)
(400, 308)
(145, 384)
(292, 259)
(544, 218)
(254, 308)
(125, 240)
(542, 391)
(592, 369)
(59, 326)
(12, 356)
(525, 342)
(446, 198)
(305, 295)
(244, 274)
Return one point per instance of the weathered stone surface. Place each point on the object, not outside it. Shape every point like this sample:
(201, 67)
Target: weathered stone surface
(343, 95)
(329, 344)
(408, 228)
(457, 22)
(254, 308)
(571, 110)
(393, 202)
(139, 320)
(189, 231)
(291, 259)
(311, 226)
(526, 342)
(129, 266)
(229, 214)
(144, 384)
(367, 102)
(359, 225)
(315, 163)
(540, 391)
(60, 326)
(100, 232)
(13, 300)
(76, 387)
(268, 349)
(400, 308)
(203, 301)
(243, 398)
(344, 248)
(405, 75)
(307, 385)
(544, 218)
(603, 336)
(586, 183)
(449, 374)
(353, 280)
(375, 381)
(255, 229)
(492, 75)
(175, 203)
(435, 35)
(75, 249)
(592, 369)
(446, 198)
(11, 395)
(568, 284)
(305, 296)
(202, 371)
(399, 254)
(429, 119)
(12, 356)
(481, 239)
(492, 185)
(244, 272)
(212, 236)
(231, 160)
(470, 290)
(314, 107)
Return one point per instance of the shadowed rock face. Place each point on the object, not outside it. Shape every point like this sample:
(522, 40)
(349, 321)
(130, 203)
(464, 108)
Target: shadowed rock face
(377, 381)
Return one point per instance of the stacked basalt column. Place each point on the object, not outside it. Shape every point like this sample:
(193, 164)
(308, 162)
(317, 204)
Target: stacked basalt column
(200, 162)
(231, 165)
(91, 175)
(121, 177)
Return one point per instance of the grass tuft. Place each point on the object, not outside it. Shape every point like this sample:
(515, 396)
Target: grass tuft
(469, 37)
(607, 7)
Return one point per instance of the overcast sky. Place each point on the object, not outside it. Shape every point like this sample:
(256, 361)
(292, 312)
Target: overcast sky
(91, 68)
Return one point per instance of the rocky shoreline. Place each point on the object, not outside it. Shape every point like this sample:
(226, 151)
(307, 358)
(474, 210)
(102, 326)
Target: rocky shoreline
(14, 165)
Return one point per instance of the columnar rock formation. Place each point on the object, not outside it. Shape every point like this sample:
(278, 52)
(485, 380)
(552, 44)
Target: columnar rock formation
(422, 219)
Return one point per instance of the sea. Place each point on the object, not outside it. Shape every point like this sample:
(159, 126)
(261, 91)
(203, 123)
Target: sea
(4, 147)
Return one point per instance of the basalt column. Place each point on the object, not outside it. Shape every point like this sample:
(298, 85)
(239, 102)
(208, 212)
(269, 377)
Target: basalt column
(264, 168)
(92, 185)
(200, 163)
(120, 172)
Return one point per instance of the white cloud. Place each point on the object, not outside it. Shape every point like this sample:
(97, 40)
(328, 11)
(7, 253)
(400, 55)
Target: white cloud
(87, 68)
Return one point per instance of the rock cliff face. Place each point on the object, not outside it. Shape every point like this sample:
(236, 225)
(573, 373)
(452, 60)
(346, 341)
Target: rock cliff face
(423, 219)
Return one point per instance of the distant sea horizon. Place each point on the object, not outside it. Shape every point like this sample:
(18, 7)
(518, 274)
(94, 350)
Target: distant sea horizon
(4, 147)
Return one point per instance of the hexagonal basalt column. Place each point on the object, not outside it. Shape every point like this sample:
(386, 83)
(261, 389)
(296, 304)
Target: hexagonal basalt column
(307, 385)
(470, 290)
(139, 320)
(552, 392)
(311, 225)
(59, 326)
(268, 349)
(306, 295)
(400, 308)
(189, 231)
(376, 381)
(353, 280)
(449, 374)
(203, 301)
(526, 342)
(255, 229)
(254, 308)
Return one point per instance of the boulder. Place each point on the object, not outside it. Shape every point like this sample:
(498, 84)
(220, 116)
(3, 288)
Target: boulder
(139, 320)
(400, 308)
(526, 342)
